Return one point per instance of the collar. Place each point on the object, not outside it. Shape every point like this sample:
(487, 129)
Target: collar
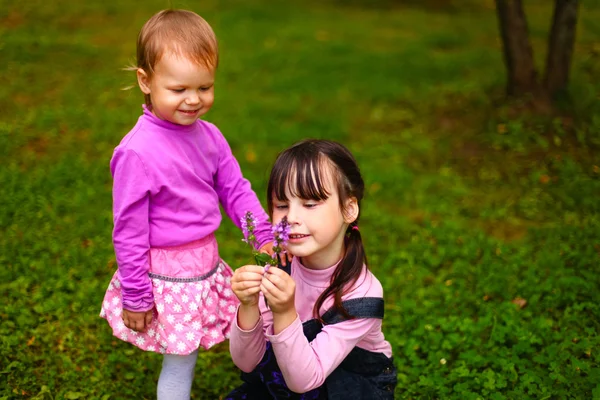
(149, 117)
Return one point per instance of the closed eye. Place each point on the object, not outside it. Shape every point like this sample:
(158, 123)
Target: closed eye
(281, 207)
(177, 90)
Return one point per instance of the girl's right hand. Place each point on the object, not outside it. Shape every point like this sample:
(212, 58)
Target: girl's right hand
(245, 283)
(138, 321)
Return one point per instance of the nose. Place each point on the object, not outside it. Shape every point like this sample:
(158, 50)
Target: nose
(293, 216)
(193, 98)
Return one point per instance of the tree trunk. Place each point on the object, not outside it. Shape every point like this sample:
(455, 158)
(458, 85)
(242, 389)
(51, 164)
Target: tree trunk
(518, 55)
(560, 45)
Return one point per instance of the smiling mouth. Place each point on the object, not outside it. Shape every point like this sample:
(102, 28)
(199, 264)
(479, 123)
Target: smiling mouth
(297, 236)
(189, 111)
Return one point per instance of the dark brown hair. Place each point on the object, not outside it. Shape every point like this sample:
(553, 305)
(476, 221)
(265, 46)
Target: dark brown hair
(303, 169)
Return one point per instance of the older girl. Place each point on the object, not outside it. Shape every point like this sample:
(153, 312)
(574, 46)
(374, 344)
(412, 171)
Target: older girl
(319, 334)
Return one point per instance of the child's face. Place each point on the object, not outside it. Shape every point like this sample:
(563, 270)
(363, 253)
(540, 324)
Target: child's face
(181, 91)
(317, 226)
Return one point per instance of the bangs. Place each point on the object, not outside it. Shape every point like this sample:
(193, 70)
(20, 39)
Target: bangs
(314, 169)
(198, 52)
(304, 175)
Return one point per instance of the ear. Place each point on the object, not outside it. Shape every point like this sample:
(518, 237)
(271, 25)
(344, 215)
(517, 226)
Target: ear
(351, 210)
(143, 81)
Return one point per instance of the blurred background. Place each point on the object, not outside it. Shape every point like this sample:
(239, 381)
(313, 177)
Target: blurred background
(481, 155)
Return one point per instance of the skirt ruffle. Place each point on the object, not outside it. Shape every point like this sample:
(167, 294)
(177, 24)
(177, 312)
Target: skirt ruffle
(190, 311)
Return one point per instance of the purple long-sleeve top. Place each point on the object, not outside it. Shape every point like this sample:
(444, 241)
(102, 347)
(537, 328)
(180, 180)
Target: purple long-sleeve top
(168, 181)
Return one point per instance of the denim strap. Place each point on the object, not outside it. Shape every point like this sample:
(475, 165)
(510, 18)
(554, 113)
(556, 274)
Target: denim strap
(362, 307)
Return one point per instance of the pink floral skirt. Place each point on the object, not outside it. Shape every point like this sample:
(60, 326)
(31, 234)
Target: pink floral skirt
(193, 302)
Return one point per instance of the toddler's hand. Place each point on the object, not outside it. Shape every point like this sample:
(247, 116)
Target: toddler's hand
(138, 321)
(245, 284)
(268, 248)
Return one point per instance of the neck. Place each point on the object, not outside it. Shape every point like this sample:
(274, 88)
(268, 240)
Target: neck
(319, 262)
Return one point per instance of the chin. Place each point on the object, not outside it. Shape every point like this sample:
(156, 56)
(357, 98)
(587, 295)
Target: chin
(302, 254)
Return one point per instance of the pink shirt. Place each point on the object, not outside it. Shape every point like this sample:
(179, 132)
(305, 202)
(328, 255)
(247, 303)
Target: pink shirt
(305, 365)
(168, 183)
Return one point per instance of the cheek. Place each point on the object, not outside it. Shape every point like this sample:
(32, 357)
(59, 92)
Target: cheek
(164, 97)
(208, 99)
(334, 216)
(277, 216)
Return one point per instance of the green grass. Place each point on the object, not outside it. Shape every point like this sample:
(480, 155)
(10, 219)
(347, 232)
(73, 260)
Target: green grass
(471, 208)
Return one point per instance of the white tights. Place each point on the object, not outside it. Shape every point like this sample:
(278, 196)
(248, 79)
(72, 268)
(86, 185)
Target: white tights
(176, 377)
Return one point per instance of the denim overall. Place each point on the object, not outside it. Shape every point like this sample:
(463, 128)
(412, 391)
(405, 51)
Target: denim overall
(363, 374)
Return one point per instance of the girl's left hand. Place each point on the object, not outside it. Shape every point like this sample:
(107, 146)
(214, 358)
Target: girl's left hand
(268, 248)
(245, 284)
(279, 289)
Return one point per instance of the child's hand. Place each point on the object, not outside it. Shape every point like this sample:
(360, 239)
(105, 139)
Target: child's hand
(279, 289)
(245, 283)
(268, 248)
(138, 321)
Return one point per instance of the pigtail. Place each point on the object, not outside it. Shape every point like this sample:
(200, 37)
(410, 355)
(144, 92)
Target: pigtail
(346, 274)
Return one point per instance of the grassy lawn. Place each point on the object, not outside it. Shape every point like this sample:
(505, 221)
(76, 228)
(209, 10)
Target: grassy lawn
(482, 223)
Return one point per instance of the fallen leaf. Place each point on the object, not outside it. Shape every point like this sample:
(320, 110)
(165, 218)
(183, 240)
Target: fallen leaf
(519, 301)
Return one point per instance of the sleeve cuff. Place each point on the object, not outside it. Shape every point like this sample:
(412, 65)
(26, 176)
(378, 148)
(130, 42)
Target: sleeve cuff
(264, 234)
(249, 332)
(139, 305)
(263, 241)
(286, 333)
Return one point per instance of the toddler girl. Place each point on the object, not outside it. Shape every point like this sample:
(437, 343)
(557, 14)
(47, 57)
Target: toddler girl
(318, 335)
(171, 293)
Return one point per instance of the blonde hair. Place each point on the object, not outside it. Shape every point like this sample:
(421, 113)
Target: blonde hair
(180, 32)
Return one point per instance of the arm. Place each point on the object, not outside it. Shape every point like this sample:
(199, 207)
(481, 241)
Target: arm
(305, 365)
(235, 192)
(131, 189)
(247, 342)
(247, 347)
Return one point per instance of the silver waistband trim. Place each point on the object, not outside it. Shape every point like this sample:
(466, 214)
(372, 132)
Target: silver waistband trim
(184, 280)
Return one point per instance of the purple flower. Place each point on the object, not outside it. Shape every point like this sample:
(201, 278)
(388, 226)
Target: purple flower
(249, 223)
(281, 234)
